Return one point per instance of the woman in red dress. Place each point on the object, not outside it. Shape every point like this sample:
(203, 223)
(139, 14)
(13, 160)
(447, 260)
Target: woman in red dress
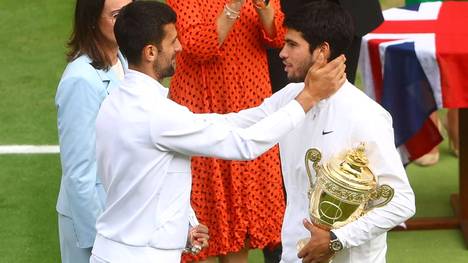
(223, 68)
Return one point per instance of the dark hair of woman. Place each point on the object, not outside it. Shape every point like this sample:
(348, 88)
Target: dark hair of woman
(86, 36)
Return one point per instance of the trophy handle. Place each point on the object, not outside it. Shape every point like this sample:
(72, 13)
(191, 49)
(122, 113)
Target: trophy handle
(314, 156)
(384, 191)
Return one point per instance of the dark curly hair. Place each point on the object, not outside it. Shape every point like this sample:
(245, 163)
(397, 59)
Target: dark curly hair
(323, 21)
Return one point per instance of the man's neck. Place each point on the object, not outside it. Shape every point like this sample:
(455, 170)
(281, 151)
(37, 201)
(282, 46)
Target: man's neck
(147, 70)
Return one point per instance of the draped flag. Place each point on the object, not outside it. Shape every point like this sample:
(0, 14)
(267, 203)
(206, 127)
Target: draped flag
(413, 64)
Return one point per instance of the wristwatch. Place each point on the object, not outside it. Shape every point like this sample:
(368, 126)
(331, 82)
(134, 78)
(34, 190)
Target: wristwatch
(335, 244)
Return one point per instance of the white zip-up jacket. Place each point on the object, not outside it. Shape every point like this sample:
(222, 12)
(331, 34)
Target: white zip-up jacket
(334, 125)
(143, 146)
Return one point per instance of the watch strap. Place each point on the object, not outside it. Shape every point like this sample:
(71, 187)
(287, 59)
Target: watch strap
(335, 244)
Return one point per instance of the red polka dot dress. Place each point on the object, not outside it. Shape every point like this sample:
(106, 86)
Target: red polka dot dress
(237, 200)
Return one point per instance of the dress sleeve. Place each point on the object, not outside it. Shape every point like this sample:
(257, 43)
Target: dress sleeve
(197, 34)
(278, 40)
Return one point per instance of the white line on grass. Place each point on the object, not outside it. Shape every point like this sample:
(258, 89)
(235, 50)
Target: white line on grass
(29, 149)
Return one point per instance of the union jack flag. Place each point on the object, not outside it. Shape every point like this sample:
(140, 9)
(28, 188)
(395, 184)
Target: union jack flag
(415, 63)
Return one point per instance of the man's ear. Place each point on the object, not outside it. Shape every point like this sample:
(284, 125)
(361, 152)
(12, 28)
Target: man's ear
(149, 53)
(324, 49)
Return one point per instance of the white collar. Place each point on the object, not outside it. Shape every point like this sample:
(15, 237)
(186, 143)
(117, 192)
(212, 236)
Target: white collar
(134, 75)
(323, 103)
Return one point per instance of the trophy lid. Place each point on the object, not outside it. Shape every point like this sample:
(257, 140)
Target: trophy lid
(351, 171)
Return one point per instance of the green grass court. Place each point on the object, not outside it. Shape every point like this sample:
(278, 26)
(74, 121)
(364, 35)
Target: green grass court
(32, 39)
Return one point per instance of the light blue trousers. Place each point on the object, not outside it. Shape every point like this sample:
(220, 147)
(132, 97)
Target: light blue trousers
(69, 250)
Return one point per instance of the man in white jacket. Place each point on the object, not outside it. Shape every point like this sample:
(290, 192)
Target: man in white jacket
(341, 122)
(144, 141)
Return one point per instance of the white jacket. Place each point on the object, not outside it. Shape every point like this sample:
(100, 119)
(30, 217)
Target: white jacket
(336, 124)
(143, 146)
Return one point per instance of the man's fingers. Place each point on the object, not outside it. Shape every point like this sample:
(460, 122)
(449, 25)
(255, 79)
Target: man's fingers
(302, 253)
(205, 243)
(202, 229)
(334, 68)
(338, 75)
(199, 236)
(200, 242)
(308, 225)
(308, 259)
(320, 62)
(342, 80)
(334, 64)
(201, 232)
(315, 258)
(338, 60)
(340, 69)
(327, 258)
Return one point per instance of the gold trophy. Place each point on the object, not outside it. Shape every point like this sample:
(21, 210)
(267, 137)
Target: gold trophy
(345, 189)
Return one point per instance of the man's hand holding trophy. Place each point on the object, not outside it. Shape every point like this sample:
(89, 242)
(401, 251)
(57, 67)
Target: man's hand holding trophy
(344, 190)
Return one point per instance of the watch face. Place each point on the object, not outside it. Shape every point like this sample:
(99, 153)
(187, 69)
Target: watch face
(336, 245)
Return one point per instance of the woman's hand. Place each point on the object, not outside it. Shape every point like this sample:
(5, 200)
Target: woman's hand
(235, 5)
(260, 4)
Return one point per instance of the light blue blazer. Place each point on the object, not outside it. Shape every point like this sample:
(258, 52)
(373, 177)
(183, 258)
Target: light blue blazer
(80, 92)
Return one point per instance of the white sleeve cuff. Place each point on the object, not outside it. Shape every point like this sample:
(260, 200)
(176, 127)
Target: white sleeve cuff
(295, 110)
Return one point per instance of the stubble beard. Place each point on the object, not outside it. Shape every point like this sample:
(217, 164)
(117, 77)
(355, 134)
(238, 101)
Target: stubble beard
(297, 79)
(164, 71)
(303, 69)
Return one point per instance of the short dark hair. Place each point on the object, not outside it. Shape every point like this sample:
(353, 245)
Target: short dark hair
(323, 21)
(139, 24)
(86, 36)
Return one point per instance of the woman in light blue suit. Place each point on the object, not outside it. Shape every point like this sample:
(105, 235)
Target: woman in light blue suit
(95, 68)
